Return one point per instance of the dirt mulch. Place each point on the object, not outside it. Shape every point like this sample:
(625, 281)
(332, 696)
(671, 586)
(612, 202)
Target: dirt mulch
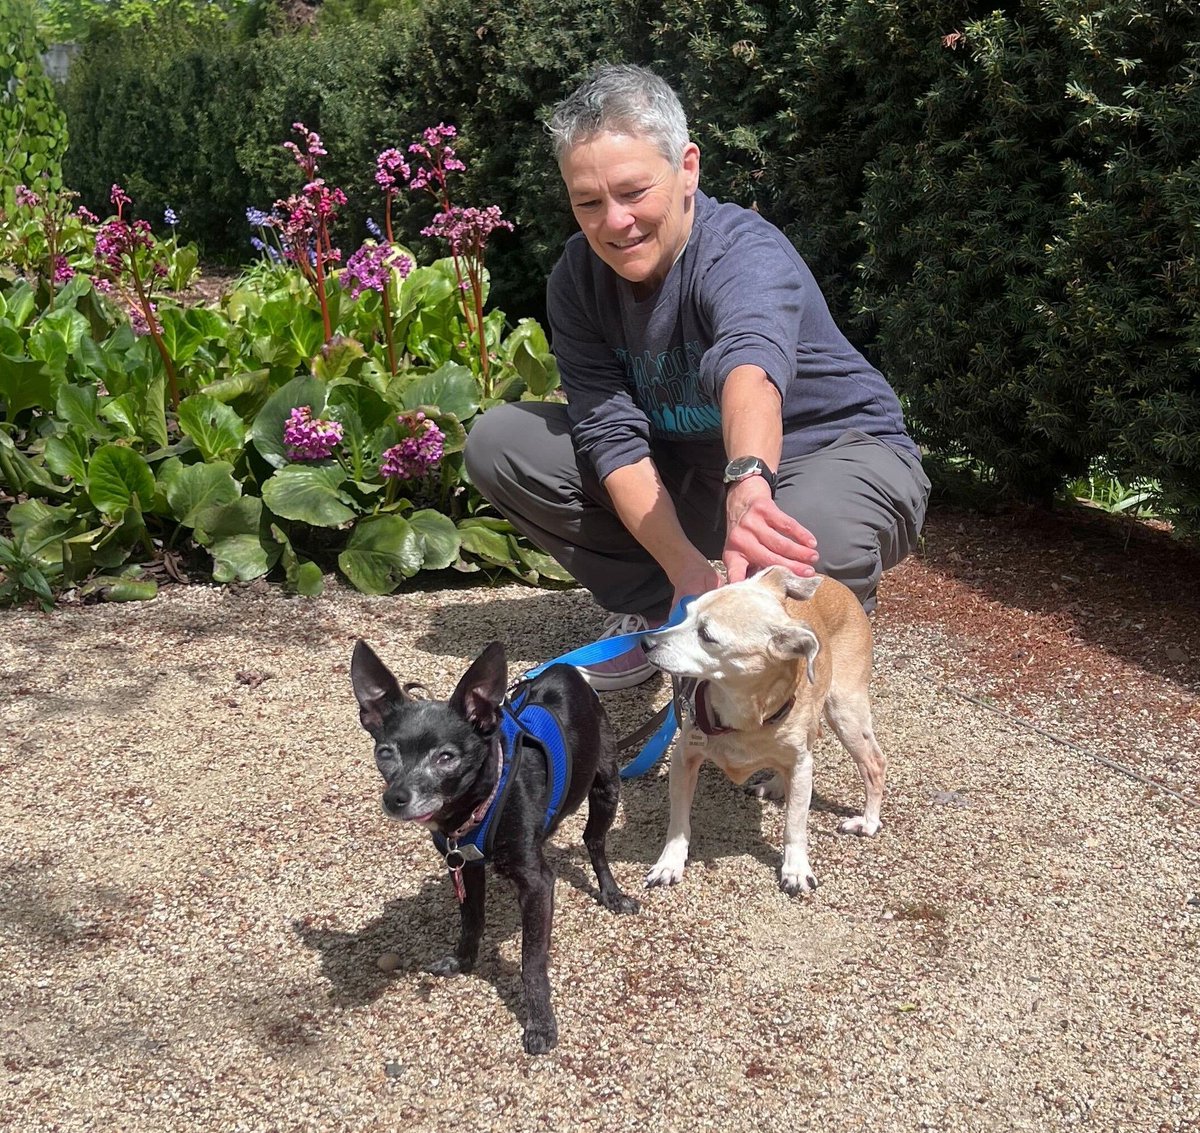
(196, 881)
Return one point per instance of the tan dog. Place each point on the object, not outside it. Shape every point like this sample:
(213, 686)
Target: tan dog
(771, 655)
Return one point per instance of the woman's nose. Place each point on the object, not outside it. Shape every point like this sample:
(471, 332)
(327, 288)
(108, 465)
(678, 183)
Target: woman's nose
(617, 216)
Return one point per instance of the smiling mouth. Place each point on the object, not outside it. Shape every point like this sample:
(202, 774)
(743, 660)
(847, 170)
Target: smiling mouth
(626, 245)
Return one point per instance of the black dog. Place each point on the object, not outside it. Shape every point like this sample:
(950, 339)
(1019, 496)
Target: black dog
(442, 762)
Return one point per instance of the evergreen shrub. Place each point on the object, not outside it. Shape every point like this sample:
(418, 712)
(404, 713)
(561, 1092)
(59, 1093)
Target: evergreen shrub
(33, 128)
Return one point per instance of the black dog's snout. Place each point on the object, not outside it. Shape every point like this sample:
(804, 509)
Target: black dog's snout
(396, 798)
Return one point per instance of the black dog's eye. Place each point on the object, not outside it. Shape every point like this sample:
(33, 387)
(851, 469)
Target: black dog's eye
(384, 751)
(705, 634)
(445, 757)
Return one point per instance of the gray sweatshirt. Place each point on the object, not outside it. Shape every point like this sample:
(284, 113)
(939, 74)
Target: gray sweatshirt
(740, 294)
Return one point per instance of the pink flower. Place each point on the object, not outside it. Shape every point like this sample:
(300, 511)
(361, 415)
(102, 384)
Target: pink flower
(438, 158)
(389, 166)
(467, 229)
(62, 270)
(118, 240)
(369, 268)
(417, 453)
(306, 437)
(27, 197)
(119, 197)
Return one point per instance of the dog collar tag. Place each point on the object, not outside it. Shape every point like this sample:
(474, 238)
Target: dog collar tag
(457, 856)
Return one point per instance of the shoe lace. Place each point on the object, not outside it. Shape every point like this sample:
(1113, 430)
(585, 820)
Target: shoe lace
(616, 624)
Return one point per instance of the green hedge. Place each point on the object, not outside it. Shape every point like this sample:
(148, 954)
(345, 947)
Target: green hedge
(1000, 200)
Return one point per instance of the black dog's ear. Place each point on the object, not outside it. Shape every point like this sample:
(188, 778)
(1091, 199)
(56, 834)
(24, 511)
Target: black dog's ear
(478, 695)
(374, 685)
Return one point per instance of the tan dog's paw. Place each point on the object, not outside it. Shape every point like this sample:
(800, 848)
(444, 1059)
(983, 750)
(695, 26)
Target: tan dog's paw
(798, 883)
(773, 788)
(860, 826)
(667, 871)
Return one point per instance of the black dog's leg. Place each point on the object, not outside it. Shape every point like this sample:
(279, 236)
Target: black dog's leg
(535, 891)
(602, 810)
(470, 926)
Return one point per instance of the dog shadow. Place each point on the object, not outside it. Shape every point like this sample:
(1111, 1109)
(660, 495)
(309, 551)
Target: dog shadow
(417, 931)
(420, 929)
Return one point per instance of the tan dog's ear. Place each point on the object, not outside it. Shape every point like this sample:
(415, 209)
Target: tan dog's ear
(786, 584)
(794, 641)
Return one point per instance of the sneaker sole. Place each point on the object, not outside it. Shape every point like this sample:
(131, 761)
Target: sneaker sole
(615, 682)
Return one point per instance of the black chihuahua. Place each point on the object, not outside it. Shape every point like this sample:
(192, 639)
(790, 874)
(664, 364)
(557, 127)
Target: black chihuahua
(461, 767)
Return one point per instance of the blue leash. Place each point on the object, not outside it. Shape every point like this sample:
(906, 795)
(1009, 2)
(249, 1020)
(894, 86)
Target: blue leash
(605, 650)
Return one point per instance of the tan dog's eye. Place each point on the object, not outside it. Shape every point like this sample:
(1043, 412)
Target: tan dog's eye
(705, 634)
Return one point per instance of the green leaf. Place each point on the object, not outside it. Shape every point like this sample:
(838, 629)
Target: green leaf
(76, 405)
(19, 472)
(249, 384)
(310, 494)
(25, 384)
(451, 388)
(217, 430)
(67, 456)
(192, 488)
(302, 576)
(335, 358)
(119, 478)
(181, 339)
(491, 546)
(39, 529)
(110, 589)
(266, 433)
(371, 408)
(234, 535)
(543, 566)
(122, 412)
(439, 538)
(381, 553)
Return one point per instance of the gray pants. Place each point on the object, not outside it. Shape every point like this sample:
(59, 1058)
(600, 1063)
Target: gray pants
(862, 499)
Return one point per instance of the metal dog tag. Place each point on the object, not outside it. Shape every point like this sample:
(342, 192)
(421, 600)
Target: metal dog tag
(458, 856)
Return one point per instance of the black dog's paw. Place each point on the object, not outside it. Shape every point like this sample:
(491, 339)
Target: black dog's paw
(448, 966)
(540, 1037)
(618, 902)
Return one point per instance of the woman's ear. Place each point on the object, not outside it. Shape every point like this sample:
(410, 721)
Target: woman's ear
(691, 168)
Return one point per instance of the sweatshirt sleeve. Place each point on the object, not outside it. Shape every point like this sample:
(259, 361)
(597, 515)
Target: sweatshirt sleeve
(754, 295)
(607, 427)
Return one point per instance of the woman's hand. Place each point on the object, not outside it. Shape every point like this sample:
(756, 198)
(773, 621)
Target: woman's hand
(758, 534)
(696, 581)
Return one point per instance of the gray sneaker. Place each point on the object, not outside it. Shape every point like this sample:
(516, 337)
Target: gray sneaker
(629, 669)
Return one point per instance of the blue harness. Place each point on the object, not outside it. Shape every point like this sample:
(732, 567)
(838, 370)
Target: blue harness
(526, 731)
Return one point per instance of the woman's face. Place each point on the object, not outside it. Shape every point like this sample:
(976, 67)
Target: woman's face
(634, 209)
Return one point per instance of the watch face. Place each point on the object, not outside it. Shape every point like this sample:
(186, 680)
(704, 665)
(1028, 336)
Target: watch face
(742, 466)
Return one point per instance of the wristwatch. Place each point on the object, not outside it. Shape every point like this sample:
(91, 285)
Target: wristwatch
(743, 466)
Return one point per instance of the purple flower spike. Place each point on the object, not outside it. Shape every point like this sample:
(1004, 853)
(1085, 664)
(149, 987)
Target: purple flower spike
(368, 268)
(306, 437)
(418, 453)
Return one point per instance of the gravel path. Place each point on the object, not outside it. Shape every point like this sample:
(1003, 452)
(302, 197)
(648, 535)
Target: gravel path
(196, 883)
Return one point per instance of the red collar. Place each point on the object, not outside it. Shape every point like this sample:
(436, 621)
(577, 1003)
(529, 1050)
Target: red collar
(707, 721)
(477, 814)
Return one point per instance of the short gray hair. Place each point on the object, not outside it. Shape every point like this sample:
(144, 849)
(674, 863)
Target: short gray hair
(621, 98)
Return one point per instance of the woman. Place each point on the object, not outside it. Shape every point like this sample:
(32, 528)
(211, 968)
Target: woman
(714, 409)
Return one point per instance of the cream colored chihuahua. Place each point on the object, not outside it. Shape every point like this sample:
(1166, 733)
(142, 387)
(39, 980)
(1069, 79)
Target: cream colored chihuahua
(759, 663)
